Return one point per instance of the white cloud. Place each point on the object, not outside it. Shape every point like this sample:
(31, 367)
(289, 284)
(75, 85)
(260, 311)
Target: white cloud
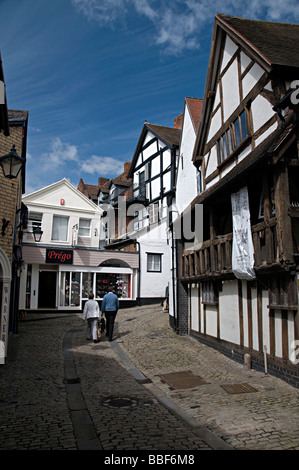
(102, 166)
(60, 153)
(178, 24)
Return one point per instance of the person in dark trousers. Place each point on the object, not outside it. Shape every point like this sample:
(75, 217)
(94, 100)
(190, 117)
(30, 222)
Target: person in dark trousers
(110, 306)
(91, 313)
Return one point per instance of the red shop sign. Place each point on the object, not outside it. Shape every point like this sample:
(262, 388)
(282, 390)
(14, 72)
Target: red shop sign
(59, 256)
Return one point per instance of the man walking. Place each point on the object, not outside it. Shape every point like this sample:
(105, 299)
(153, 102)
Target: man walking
(110, 306)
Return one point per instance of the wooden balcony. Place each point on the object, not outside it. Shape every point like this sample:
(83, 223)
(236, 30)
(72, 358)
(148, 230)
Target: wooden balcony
(214, 258)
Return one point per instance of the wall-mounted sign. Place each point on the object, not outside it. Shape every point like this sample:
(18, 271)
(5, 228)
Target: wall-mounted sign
(56, 256)
(62, 202)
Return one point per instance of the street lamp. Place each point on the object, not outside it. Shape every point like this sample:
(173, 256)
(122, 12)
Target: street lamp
(37, 233)
(11, 163)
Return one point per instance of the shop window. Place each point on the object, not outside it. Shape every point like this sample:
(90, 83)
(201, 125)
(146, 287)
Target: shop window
(154, 263)
(60, 228)
(75, 290)
(121, 284)
(87, 284)
(84, 227)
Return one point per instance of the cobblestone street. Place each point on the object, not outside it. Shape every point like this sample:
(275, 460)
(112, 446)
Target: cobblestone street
(60, 391)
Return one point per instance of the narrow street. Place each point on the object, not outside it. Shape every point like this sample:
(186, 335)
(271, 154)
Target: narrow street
(147, 390)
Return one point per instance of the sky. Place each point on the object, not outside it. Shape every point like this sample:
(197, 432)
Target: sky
(91, 72)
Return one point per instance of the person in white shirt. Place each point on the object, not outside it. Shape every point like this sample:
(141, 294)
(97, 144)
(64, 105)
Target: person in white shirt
(91, 313)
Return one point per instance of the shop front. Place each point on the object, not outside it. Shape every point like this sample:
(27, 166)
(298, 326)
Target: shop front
(55, 279)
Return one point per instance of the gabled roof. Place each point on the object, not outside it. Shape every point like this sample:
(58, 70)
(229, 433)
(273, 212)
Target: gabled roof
(195, 107)
(271, 45)
(170, 136)
(276, 43)
(62, 187)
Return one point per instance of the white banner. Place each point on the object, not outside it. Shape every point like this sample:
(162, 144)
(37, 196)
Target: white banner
(243, 251)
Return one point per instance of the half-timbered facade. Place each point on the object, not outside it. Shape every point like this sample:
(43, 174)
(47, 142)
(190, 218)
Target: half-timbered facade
(153, 176)
(241, 283)
(187, 185)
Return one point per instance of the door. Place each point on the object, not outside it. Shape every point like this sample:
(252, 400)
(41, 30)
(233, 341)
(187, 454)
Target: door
(47, 289)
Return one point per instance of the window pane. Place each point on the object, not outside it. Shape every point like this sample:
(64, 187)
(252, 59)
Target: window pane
(154, 263)
(237, 132)
(60, 228)
(87, 284)
(224, 147)
(243, 125)
(34, 221)
(84, 227)
(229, 142)
(220, 150)
(75, 291)
(121, 284)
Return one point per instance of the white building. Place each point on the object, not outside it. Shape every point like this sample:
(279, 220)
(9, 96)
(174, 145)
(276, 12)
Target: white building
(67, 264)
(188, 183)
(153, 175)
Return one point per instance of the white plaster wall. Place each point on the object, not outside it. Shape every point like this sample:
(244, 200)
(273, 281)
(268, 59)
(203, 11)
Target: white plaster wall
(216, 123)
(245, 313)
(229, 312)
(155, 188)
(166, 159)
(265, 320)
(155, 166)
(261, 112)
(251, 79)
(186, 188)
(229, 50)
(211, 320)
(211, 163)
(194, 324)
(149, 151)
(230, 90)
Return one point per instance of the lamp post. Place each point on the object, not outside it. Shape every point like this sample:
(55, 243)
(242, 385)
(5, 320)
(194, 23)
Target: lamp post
(11, 163)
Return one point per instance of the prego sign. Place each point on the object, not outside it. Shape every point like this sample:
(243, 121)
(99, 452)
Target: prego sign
(59, 256)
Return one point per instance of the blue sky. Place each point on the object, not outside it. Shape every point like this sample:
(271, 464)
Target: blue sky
(90, 72)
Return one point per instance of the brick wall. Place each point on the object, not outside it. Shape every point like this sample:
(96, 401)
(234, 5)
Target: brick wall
(10, 190)
(182, 300)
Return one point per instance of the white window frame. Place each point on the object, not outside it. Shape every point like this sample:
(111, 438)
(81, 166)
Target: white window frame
(56, 217)
(84, 228)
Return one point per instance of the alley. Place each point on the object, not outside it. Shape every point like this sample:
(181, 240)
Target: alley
(59, 391)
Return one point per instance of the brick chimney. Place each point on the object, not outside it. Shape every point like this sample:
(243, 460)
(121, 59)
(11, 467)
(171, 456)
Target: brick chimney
(127, 166)
(178, 122)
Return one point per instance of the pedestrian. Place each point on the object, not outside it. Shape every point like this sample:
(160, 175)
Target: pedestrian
(91, 313)
(110, 306)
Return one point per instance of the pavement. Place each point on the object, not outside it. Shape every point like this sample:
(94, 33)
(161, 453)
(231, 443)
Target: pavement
(148, 390)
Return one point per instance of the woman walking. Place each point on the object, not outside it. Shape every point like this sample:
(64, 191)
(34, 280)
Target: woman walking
(91, 312)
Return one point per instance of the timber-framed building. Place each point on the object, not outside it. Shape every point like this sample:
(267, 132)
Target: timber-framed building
(238, 287)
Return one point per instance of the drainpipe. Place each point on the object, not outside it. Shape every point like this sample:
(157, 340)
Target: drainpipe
(138, 275)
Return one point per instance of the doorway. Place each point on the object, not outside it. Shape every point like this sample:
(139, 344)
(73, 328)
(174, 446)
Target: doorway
(47, 289)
